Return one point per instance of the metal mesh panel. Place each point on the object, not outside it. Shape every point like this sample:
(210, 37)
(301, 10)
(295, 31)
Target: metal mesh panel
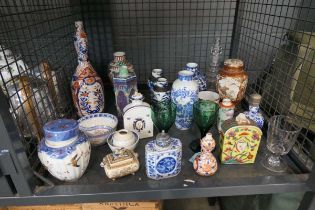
(157, 34)
(275, 40)
(38, 60)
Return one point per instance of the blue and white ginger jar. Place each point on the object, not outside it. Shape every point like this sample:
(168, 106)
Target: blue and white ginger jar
(184, 94)
(64, 152)
(202, 82)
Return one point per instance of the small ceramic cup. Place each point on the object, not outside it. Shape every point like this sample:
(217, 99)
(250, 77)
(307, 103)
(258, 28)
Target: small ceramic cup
(209, 96)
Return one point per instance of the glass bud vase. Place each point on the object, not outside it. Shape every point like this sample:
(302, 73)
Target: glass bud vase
(215, 64)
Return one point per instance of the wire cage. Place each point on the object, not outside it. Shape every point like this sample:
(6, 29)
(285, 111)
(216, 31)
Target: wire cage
(275, 39)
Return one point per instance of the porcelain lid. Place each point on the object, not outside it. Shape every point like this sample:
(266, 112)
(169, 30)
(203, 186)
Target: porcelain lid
(61, 129)
(234, 63)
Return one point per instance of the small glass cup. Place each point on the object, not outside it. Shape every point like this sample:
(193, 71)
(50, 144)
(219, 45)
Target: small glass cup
(281, 136)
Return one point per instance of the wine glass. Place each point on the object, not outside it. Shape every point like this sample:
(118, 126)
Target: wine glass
(205, 115)
(281, 136)
(163, 115)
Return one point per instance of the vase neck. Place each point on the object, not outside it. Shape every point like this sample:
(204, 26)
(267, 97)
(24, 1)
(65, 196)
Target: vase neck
(254, 109)
(185, 75)
(119, 56)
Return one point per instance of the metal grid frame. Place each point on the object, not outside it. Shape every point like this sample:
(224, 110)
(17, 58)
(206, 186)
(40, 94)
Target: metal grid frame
(262, 41)
(37, 31)
(157, 34)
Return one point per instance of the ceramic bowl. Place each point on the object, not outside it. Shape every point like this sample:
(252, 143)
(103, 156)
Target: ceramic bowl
(128, 146)
(209, 96)
(98, 127)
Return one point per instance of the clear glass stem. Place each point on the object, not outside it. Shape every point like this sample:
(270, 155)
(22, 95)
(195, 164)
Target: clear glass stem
(274, 160)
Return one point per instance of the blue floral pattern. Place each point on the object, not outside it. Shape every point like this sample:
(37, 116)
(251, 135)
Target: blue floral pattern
(163, 162)
(202, 82)
(184, 99)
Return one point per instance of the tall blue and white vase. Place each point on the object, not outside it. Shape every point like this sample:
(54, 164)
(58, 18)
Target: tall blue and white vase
(184, 94)
(202, 82)
(64, 151)
(253, 113)
(86, 86)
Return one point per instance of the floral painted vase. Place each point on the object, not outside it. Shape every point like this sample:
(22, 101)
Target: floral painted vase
(205, 164)
(64, 151)
(202, 83)
(155, 75)
(87, 87)
(226, 111)
(125, 85)
(253, 113)
(184, 94)
(239, 140)
(119, 60)
(161, 90)
(232, 80)
(163, 157)
(137, 116)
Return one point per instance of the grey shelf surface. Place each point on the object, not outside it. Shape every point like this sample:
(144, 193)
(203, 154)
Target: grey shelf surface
(230, 180)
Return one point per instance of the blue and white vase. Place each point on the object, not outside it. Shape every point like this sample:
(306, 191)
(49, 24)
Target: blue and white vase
(163, 160)
(155, 75)
(161, 90)
(202, 82)
(64, 151)
(86, 86)
(253, 113)
(184, 94)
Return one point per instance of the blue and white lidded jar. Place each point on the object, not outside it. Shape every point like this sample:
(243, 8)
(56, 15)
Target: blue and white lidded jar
(253, 113)
(202, 82)
(156, 73)
(184, 94)
(163, 157)
(64, 152)
(161, 90)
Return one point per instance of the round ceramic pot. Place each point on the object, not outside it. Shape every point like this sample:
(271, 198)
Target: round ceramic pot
(184, 94)
(123, 139)
(65, 159)
(202, 83)
(232, 80)
(98, 127)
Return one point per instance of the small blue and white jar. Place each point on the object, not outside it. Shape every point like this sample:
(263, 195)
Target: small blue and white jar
(161, 90)
(202, 82)
(184, 94)
(155, 75)
(163, 157)
(64, 152)
(253, 113)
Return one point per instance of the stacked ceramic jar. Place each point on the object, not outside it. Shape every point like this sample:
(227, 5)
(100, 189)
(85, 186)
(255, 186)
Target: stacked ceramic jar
(64, 151)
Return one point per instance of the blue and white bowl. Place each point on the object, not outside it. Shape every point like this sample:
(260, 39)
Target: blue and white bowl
(98, 127)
